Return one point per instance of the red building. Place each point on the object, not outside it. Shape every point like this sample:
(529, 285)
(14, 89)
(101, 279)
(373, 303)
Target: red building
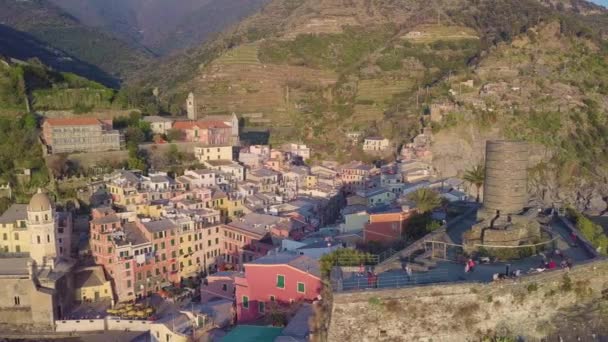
(244, 241)
(207, 132)
(386, 227)
(278, 279)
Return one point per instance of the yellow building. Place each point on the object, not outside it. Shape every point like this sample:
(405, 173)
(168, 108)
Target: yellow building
(124, 195)
(150, 210)
(231, 208)
(14, 235)
(188, 245)
(209, 153)
(311, 181)
(91, 284)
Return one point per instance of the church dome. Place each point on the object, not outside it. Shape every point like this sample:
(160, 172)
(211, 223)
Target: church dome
(40, 202)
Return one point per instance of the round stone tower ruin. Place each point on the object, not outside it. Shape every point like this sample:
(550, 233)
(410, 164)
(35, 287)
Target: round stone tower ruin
(505, 187)
(504, 220)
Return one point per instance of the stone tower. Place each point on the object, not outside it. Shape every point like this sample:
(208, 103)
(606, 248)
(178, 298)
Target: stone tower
(505, 186)
(191, 107)
(41, 223)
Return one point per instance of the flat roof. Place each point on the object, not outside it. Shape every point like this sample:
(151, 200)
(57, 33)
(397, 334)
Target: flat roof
(14, 266)
(159, 225)
(252, 333)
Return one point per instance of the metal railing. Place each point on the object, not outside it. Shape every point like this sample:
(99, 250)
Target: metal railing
(392, 280)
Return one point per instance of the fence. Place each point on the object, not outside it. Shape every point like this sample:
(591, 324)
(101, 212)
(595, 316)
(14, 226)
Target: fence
(108, 323)
(390, 280)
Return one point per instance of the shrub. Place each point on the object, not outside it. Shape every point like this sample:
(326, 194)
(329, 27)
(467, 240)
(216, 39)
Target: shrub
(532, 287)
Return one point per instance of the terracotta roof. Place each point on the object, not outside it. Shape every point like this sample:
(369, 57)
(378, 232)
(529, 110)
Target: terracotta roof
(73, 121)
(200, 124)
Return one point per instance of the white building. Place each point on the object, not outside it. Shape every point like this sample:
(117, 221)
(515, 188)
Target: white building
(376, 144)
(207, 153)
(158, 124)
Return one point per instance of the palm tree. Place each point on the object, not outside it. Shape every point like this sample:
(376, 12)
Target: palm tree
(425, 199)
(476, 176)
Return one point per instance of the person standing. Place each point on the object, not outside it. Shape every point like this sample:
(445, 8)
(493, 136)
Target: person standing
(408, 272)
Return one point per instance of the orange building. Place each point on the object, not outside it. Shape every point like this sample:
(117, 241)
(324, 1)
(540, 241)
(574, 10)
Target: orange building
(386, 227)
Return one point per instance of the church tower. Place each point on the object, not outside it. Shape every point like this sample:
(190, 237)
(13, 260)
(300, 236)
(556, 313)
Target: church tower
(191, 107)
(41, 223)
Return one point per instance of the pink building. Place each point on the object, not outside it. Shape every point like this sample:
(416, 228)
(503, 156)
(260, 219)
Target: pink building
(278, 279)
(219, 285)
(207, 132)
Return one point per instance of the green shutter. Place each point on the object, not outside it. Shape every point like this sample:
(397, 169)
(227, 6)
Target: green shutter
(280, 281)
(301, 287)
(246, 302)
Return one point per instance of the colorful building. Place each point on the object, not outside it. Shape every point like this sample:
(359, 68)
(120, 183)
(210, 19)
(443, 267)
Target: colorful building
(386, 227)
(207, 132)
(278, 279)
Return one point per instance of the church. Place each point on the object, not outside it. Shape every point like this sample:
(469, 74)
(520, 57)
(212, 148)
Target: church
(36, 270)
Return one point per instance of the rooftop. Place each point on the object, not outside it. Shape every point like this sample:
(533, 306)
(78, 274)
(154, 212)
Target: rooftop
(133, 234)
(14, 213)
(159, 225)
(301, 262)
(203, 124)
(252, 333)
(255, 223)
(14, 266)
(73, 121)
(88, 278)
(156, 118)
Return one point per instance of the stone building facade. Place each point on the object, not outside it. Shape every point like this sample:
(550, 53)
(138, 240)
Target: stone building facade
(69, 135)
(36, 285)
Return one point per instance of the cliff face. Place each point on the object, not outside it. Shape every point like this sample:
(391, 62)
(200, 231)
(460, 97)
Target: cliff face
(533, 307)
(535, 88)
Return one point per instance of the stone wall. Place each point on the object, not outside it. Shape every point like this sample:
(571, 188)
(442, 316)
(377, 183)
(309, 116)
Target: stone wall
(524, 307)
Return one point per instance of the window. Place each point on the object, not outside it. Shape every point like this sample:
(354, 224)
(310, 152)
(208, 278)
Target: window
(127, 266)
(301, 287)
(261, 307)
(281, 281)
(272, 298)
(17, 300)
(128, 284)
(38, 239)
(16, 236)
(246, 302)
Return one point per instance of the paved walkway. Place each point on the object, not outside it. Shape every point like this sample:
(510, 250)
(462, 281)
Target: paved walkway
(447, 271)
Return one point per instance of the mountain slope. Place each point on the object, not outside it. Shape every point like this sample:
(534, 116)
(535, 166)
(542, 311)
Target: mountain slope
(184, 23)
(22, 46)
(313, 70)
(51, 26)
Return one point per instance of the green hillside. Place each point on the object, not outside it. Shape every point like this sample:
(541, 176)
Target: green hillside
(48, 25)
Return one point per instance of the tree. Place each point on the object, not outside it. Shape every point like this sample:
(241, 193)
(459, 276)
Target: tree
(425, 199)
(134, 136)
(174, 135)
(476, 176)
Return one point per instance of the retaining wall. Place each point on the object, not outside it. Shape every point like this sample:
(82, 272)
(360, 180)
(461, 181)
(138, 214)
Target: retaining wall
(527, 306)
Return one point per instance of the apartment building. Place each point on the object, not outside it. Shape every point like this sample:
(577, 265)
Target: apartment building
(69, 135)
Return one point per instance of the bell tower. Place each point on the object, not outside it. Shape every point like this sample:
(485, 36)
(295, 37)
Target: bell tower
(41, 223)
(191, 107)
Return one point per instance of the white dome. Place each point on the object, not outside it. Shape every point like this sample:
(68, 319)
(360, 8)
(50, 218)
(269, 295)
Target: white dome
(40, 202)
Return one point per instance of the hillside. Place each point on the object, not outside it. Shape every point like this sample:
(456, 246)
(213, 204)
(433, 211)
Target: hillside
(102, 57)
(26, 85)
(313, 70)
(184, 23)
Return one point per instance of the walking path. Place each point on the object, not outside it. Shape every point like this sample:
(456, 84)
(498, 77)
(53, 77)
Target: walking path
(447, 271)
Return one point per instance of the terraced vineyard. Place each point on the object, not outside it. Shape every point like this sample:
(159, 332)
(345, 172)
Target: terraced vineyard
(380, 91)
(238, 82)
